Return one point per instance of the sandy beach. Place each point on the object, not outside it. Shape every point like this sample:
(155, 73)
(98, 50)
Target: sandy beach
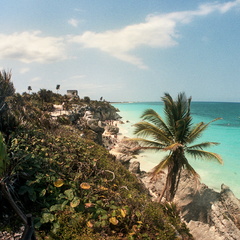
(145, 159)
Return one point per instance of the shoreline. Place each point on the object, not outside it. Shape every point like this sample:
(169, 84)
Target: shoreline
(225, 132)
(144, 157)
(208, 214)
(119, 138)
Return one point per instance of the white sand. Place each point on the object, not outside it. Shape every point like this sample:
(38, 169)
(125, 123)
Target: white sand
(147, 159)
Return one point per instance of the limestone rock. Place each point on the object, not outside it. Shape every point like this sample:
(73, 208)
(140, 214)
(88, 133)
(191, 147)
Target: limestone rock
(127, 147)
(202, 231)
(134, 167)
(123, 158)
(216, 215)
(209, 215)
(113, 130)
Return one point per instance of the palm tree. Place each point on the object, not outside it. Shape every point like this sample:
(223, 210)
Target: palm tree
(6, 87)
(174, 135)
(57, 87)
(29, 89)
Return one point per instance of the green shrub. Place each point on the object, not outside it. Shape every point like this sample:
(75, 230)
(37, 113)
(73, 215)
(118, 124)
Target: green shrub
(77, 189)
(73, 187)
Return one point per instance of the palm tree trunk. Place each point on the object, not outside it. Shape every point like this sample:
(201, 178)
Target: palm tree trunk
(173, 179)
(162, 193)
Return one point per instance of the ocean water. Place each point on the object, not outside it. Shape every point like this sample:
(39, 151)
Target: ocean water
(225, 131)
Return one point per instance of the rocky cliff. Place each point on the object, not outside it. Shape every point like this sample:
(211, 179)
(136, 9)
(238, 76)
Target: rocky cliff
(94, 117)
(209, 214)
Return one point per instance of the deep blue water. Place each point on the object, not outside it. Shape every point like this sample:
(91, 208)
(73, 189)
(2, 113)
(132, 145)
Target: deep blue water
(225, 131)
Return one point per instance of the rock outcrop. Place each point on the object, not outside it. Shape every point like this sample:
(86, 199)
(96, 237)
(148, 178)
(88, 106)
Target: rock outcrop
(94, 117)
(102, 113)
(126, 147)
(134, 167)
(208, 214)
(219, 215)
(125, 152)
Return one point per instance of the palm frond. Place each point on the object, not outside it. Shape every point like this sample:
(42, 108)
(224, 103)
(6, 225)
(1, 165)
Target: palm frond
(178, 115)
(190, 169)
(148, 144)
(197, 131)
(152, 116)
(173, 147)
(183, 106)
(170, 111)
(162, 165)
(203, 145)
(182, 129)
(177, 109)
(146, 129)
(196, 153)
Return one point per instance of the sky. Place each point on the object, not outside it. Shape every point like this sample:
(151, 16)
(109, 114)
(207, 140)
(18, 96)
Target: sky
(123, 50)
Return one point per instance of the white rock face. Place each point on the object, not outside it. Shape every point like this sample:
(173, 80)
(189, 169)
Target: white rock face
(208, 214)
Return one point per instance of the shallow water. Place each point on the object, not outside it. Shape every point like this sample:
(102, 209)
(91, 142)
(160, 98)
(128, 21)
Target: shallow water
(225, 131)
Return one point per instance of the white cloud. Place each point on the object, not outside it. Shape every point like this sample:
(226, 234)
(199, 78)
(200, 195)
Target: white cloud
(36, 79)
(31, 47)
(158, 31)
(24, 70)
(73, 22)
(96, 88)
(78, 76)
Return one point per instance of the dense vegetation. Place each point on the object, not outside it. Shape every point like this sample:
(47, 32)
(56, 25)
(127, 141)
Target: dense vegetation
(73, 187)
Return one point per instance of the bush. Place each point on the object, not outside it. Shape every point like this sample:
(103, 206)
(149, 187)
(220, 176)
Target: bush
(75, 188)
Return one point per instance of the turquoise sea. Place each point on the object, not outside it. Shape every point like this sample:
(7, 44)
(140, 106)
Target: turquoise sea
(225, 131)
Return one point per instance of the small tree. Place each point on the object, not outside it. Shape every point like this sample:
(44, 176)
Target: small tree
(29, 89)
(86, 99)
(4, 161)
(45, 95)
(57, 87)
(6, 87)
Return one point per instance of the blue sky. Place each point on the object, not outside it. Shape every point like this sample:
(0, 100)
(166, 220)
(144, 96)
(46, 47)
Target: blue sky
(123, 50)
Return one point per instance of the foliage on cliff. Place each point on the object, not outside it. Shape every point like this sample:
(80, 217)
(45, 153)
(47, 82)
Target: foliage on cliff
(74, 188)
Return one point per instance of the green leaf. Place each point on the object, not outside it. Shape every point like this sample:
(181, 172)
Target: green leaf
(69, 193)
(114, 213)
(62, 196)
(138, 214)
(42, 193)
(23, 189)
(56, 207)
(47, 217)
(37, 225)
(56, 226)
(104, 217)
(113, 207)
(103, 223)
(75, 202)
(64, 204)
(32, 195)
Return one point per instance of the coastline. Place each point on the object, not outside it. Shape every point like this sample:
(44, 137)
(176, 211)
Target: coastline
(145, 164)
(146, 159)
(209, 214)
(225, 132)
